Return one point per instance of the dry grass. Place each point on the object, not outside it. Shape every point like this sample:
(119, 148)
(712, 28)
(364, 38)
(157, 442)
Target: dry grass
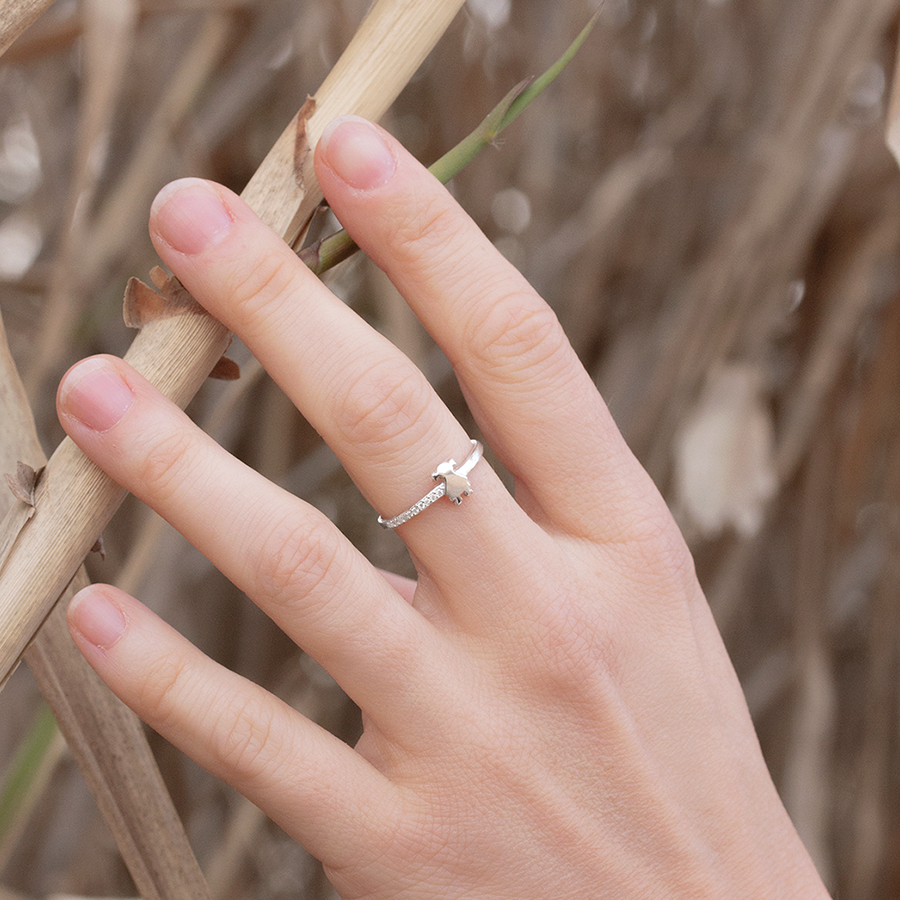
(707, 202)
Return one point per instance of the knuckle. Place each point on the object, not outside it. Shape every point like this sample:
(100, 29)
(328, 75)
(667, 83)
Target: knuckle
(388, 398)
(297, 559)
(656, 558)
(254, 288)
(518, 333)
(244, 737)
(162, 469)
(420, 240)
(162, 687)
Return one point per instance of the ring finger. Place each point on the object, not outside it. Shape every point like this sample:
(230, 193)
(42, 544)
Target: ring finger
(236, 729)
(372, 405)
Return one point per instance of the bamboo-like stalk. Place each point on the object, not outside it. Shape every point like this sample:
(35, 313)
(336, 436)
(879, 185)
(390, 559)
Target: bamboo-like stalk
(391, 44)
(16, 16)
(75, 499)
(105, 737)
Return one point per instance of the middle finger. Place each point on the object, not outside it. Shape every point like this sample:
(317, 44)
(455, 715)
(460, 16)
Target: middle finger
(370, 403)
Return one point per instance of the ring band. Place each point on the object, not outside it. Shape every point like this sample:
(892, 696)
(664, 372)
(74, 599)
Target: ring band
(453, 482)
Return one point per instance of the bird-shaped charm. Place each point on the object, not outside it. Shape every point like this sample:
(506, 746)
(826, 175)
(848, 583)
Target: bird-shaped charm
(457, 485)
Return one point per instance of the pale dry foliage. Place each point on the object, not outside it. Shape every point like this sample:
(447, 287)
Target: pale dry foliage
(706, 200)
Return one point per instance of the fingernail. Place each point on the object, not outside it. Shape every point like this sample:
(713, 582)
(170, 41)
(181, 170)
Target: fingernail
(355, 150)
(96, 618)
(189, 216)
(95, 393)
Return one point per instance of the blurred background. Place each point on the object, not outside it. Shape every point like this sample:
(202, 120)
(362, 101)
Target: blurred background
(705, 198)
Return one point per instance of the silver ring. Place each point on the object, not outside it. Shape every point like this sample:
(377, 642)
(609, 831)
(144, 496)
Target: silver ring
(452, 482)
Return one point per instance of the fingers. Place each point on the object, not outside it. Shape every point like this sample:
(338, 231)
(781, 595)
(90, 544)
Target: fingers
(376, 410)
(235, 729)
(536, 404)
(285, 555)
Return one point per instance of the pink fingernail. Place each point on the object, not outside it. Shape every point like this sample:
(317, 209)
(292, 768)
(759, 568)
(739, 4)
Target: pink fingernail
(95, 393)
(190, 216)
(96, 618)
(355, 150)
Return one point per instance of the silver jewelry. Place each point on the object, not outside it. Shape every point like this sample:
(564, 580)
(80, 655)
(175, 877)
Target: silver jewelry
(452, 482)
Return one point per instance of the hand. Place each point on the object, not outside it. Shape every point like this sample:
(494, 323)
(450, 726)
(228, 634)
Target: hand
(549, 711)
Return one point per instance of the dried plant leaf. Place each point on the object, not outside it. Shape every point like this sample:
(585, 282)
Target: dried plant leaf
(142, 304)
(99, 547)
(24, 482)
(226, 370)
(301, 143)
(159, 277)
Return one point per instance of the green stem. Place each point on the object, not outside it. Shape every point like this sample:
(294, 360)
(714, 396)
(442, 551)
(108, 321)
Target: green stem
(25, 768)
(506, 112)
(328, 252)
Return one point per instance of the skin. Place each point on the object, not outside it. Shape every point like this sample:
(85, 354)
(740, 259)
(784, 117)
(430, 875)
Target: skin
(549, 710)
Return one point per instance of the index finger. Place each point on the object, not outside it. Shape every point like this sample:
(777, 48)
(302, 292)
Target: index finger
(537, 406)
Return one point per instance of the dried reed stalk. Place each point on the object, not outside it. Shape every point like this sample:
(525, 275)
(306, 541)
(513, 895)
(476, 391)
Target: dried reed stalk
(16, 16)
(74, 499)
(105, 737)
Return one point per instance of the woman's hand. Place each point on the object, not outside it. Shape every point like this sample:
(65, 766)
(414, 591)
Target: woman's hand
(549, 711)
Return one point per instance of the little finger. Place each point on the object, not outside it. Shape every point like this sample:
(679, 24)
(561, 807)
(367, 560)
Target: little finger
(235, 729)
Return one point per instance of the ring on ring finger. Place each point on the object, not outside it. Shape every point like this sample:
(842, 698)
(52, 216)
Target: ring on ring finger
(453, 482)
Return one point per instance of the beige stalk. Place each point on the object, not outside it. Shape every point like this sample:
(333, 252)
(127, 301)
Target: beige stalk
(74, 499)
